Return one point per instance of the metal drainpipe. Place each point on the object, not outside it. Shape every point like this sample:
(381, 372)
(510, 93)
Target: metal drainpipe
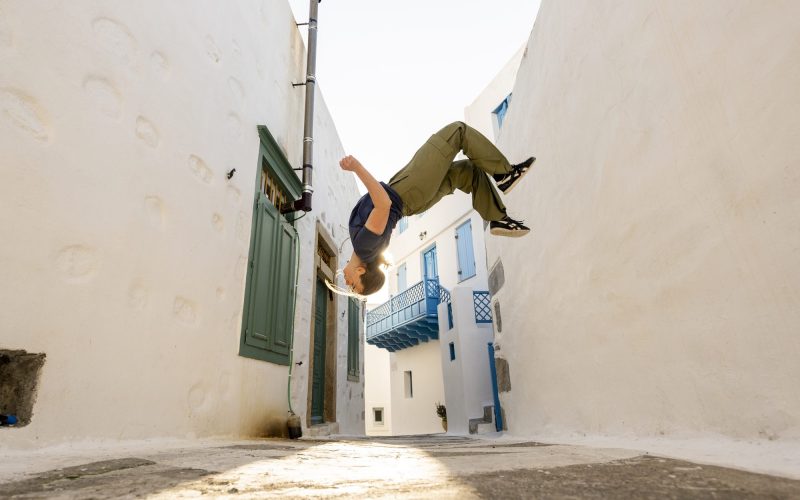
(304, 203)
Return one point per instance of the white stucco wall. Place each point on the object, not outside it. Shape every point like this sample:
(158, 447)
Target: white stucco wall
(479, 114)
(416, 415)
(377, 389)
(125, 246)
(467, 379)
(659, 291)
(439, 226)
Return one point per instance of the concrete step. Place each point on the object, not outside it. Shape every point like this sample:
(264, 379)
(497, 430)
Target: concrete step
(326, 429)
(480, 425)
(486, 428)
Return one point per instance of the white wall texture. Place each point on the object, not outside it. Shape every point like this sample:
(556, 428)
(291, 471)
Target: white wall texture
(125, 246)
(416, 415)
(479, 114)
(377, 390)
(659, 292)
(467, 379)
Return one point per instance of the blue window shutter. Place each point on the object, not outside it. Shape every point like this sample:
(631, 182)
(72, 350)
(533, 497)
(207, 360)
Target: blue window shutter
(452, 351)
(466, 253)
(401, 278)
(402, 225)
(501, 110)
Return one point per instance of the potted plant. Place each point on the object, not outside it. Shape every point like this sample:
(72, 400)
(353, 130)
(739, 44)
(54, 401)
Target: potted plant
(441, 412)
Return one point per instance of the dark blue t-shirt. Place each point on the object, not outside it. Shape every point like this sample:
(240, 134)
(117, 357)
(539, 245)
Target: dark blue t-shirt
(366, 244)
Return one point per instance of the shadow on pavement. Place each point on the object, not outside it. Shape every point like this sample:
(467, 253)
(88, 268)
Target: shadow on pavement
(428, 466)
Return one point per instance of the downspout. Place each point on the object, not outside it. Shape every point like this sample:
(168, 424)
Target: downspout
(304, 203)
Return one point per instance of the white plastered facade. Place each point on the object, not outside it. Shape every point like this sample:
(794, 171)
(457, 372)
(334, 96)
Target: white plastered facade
(126, 247)
(659, 292)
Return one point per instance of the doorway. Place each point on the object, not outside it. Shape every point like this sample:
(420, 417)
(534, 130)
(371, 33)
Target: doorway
(318, 354)
(322, 374)
(430, 268)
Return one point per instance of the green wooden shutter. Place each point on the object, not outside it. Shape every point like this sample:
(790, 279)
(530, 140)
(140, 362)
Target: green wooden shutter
(269, 304)
(284, 293)
(260, 317)
(354, 318)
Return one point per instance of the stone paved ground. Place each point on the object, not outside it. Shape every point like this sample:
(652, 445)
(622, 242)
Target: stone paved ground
(435, 466)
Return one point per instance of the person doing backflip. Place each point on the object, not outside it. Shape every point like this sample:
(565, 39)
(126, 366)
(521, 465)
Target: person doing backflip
(430, 175)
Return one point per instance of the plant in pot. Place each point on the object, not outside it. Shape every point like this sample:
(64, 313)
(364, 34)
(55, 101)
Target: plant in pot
(441, 412)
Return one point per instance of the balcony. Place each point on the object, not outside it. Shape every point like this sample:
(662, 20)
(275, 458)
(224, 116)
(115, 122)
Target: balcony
(408, 318)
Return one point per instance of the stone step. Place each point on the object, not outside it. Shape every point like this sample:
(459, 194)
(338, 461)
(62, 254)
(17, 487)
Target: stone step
(488, 413)
(326, 429)
(486, 428)
(479, 425)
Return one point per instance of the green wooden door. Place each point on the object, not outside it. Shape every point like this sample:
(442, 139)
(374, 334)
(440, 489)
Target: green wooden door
(318, 375)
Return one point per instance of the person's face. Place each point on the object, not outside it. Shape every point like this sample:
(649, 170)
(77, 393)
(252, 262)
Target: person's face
(352, 274)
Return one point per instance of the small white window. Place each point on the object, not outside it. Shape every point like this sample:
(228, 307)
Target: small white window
(408, 385)
(377, 416)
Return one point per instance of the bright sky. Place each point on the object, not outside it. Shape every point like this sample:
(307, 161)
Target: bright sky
(392, 73)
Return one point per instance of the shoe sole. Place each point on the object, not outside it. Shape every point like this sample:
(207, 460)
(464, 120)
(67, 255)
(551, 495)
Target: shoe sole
(516, 181)
(514, 233)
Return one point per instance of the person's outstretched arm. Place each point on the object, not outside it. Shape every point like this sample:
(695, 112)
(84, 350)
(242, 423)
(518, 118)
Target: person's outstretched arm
(376, 222)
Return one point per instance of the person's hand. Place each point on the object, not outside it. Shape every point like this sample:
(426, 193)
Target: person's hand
(349, 164)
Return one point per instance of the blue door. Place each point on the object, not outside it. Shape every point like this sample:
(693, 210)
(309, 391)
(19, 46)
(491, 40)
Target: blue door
(466, 256)
(430, 269)
(401, 278)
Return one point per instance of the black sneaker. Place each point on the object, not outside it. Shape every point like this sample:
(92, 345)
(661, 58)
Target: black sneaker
(506, 182)
(508, 227)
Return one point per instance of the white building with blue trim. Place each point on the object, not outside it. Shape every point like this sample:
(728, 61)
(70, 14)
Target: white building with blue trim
(434, 333)
(432, 341)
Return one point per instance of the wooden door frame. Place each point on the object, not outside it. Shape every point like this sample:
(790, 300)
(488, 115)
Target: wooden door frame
(323, 271)
(422, 260)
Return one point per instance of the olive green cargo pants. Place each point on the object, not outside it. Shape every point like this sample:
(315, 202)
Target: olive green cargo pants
(432, 173)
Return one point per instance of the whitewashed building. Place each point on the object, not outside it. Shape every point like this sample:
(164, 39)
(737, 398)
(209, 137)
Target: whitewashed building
(151, 284)
(432, 342)
(658, 293)
(436, 256)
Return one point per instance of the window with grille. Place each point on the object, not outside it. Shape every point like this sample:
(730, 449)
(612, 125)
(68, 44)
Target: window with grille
(270, 187)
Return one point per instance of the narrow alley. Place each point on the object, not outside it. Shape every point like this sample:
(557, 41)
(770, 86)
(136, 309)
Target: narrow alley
(432, 466)
(228, 223)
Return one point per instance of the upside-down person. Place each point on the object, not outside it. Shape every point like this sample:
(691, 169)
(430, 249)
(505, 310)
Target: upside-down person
(430, 175)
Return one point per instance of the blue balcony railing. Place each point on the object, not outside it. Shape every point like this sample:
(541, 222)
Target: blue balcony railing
(408, 318)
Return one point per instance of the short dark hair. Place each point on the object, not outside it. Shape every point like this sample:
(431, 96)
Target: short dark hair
(373, 278)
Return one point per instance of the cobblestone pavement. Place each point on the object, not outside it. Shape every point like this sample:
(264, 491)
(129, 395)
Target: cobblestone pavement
(435, 466)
